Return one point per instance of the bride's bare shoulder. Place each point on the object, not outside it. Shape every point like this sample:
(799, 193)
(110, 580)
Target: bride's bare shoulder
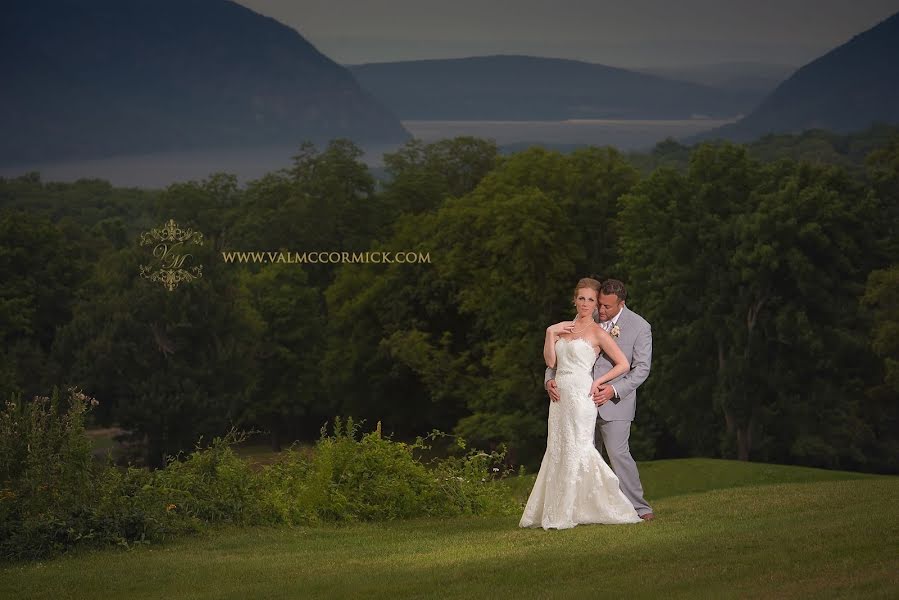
(596, 332)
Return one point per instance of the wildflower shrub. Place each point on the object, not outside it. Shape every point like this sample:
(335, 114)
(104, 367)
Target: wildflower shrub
(353, 477)
(54, 496)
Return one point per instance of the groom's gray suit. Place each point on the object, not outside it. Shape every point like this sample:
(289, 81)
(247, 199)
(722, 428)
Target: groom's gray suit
(615, 416)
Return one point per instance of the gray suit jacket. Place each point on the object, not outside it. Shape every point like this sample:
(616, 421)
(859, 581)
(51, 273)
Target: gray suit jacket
(635, 340)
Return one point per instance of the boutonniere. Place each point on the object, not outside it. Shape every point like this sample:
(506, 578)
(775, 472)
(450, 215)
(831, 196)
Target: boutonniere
(615, 331)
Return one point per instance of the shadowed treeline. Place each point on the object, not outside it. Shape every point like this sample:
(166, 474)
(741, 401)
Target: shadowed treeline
(769, 285)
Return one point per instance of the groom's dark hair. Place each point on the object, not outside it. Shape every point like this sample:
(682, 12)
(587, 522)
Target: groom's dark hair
(613, 286)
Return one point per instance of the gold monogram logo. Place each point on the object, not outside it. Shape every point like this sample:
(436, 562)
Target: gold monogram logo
(169, 241)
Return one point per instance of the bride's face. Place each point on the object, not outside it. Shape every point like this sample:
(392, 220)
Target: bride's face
(585, 301)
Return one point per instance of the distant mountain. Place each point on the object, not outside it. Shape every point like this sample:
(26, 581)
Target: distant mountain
(531, 88)
(847, 89)
(94, 78)
(749, 77)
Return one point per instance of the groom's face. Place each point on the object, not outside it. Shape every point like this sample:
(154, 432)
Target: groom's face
(609, 305)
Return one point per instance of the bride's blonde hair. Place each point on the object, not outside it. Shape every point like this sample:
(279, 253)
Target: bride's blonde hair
(587, 282)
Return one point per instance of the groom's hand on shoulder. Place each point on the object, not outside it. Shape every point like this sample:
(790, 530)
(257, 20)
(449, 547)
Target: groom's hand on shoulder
(552, 390)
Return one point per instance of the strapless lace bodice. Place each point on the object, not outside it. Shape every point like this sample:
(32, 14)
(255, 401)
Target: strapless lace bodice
(574, 356)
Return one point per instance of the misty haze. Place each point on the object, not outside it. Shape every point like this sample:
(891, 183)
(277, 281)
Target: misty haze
(157, 170)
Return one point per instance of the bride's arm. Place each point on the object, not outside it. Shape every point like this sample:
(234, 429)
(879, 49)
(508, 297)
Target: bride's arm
(608, 345)
(549, 348)
(549, 342)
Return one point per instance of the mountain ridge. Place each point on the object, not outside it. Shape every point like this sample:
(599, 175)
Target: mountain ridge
(95, 78)
(847, 89)
(513, 87)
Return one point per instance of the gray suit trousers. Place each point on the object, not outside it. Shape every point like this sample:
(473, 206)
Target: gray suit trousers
(614, 435)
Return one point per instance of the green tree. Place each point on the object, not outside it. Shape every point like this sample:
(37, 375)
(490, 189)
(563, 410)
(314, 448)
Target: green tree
(423, 175)
(325, 201)
(750, 275)
(882, 294)
(40, 268)
(882, 299)
(287, 394)
(168, 366)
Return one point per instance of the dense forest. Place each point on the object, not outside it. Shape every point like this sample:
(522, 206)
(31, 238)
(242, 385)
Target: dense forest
(769, 273)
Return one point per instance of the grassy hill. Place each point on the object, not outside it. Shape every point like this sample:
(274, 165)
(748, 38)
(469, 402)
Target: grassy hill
(724, 530)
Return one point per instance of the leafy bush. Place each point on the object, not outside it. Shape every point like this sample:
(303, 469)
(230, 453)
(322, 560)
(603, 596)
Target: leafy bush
(212, 485)
(54, 496)
(374, 478)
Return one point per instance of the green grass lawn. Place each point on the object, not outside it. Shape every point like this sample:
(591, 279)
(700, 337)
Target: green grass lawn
(724, 530)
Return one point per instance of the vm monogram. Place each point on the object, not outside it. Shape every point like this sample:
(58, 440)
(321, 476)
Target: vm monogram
(170, 241)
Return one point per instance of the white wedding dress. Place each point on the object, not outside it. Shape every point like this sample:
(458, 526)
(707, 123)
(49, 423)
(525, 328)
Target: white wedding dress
(575, 485)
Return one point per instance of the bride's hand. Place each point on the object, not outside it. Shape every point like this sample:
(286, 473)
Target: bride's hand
(594, 389)
(560, 328)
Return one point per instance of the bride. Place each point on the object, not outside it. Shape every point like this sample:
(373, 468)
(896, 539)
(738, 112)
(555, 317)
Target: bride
(575, 485)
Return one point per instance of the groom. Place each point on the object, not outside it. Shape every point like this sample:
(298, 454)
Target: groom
(617, 401)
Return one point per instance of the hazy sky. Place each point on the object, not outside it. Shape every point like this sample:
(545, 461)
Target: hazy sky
(628, 33)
